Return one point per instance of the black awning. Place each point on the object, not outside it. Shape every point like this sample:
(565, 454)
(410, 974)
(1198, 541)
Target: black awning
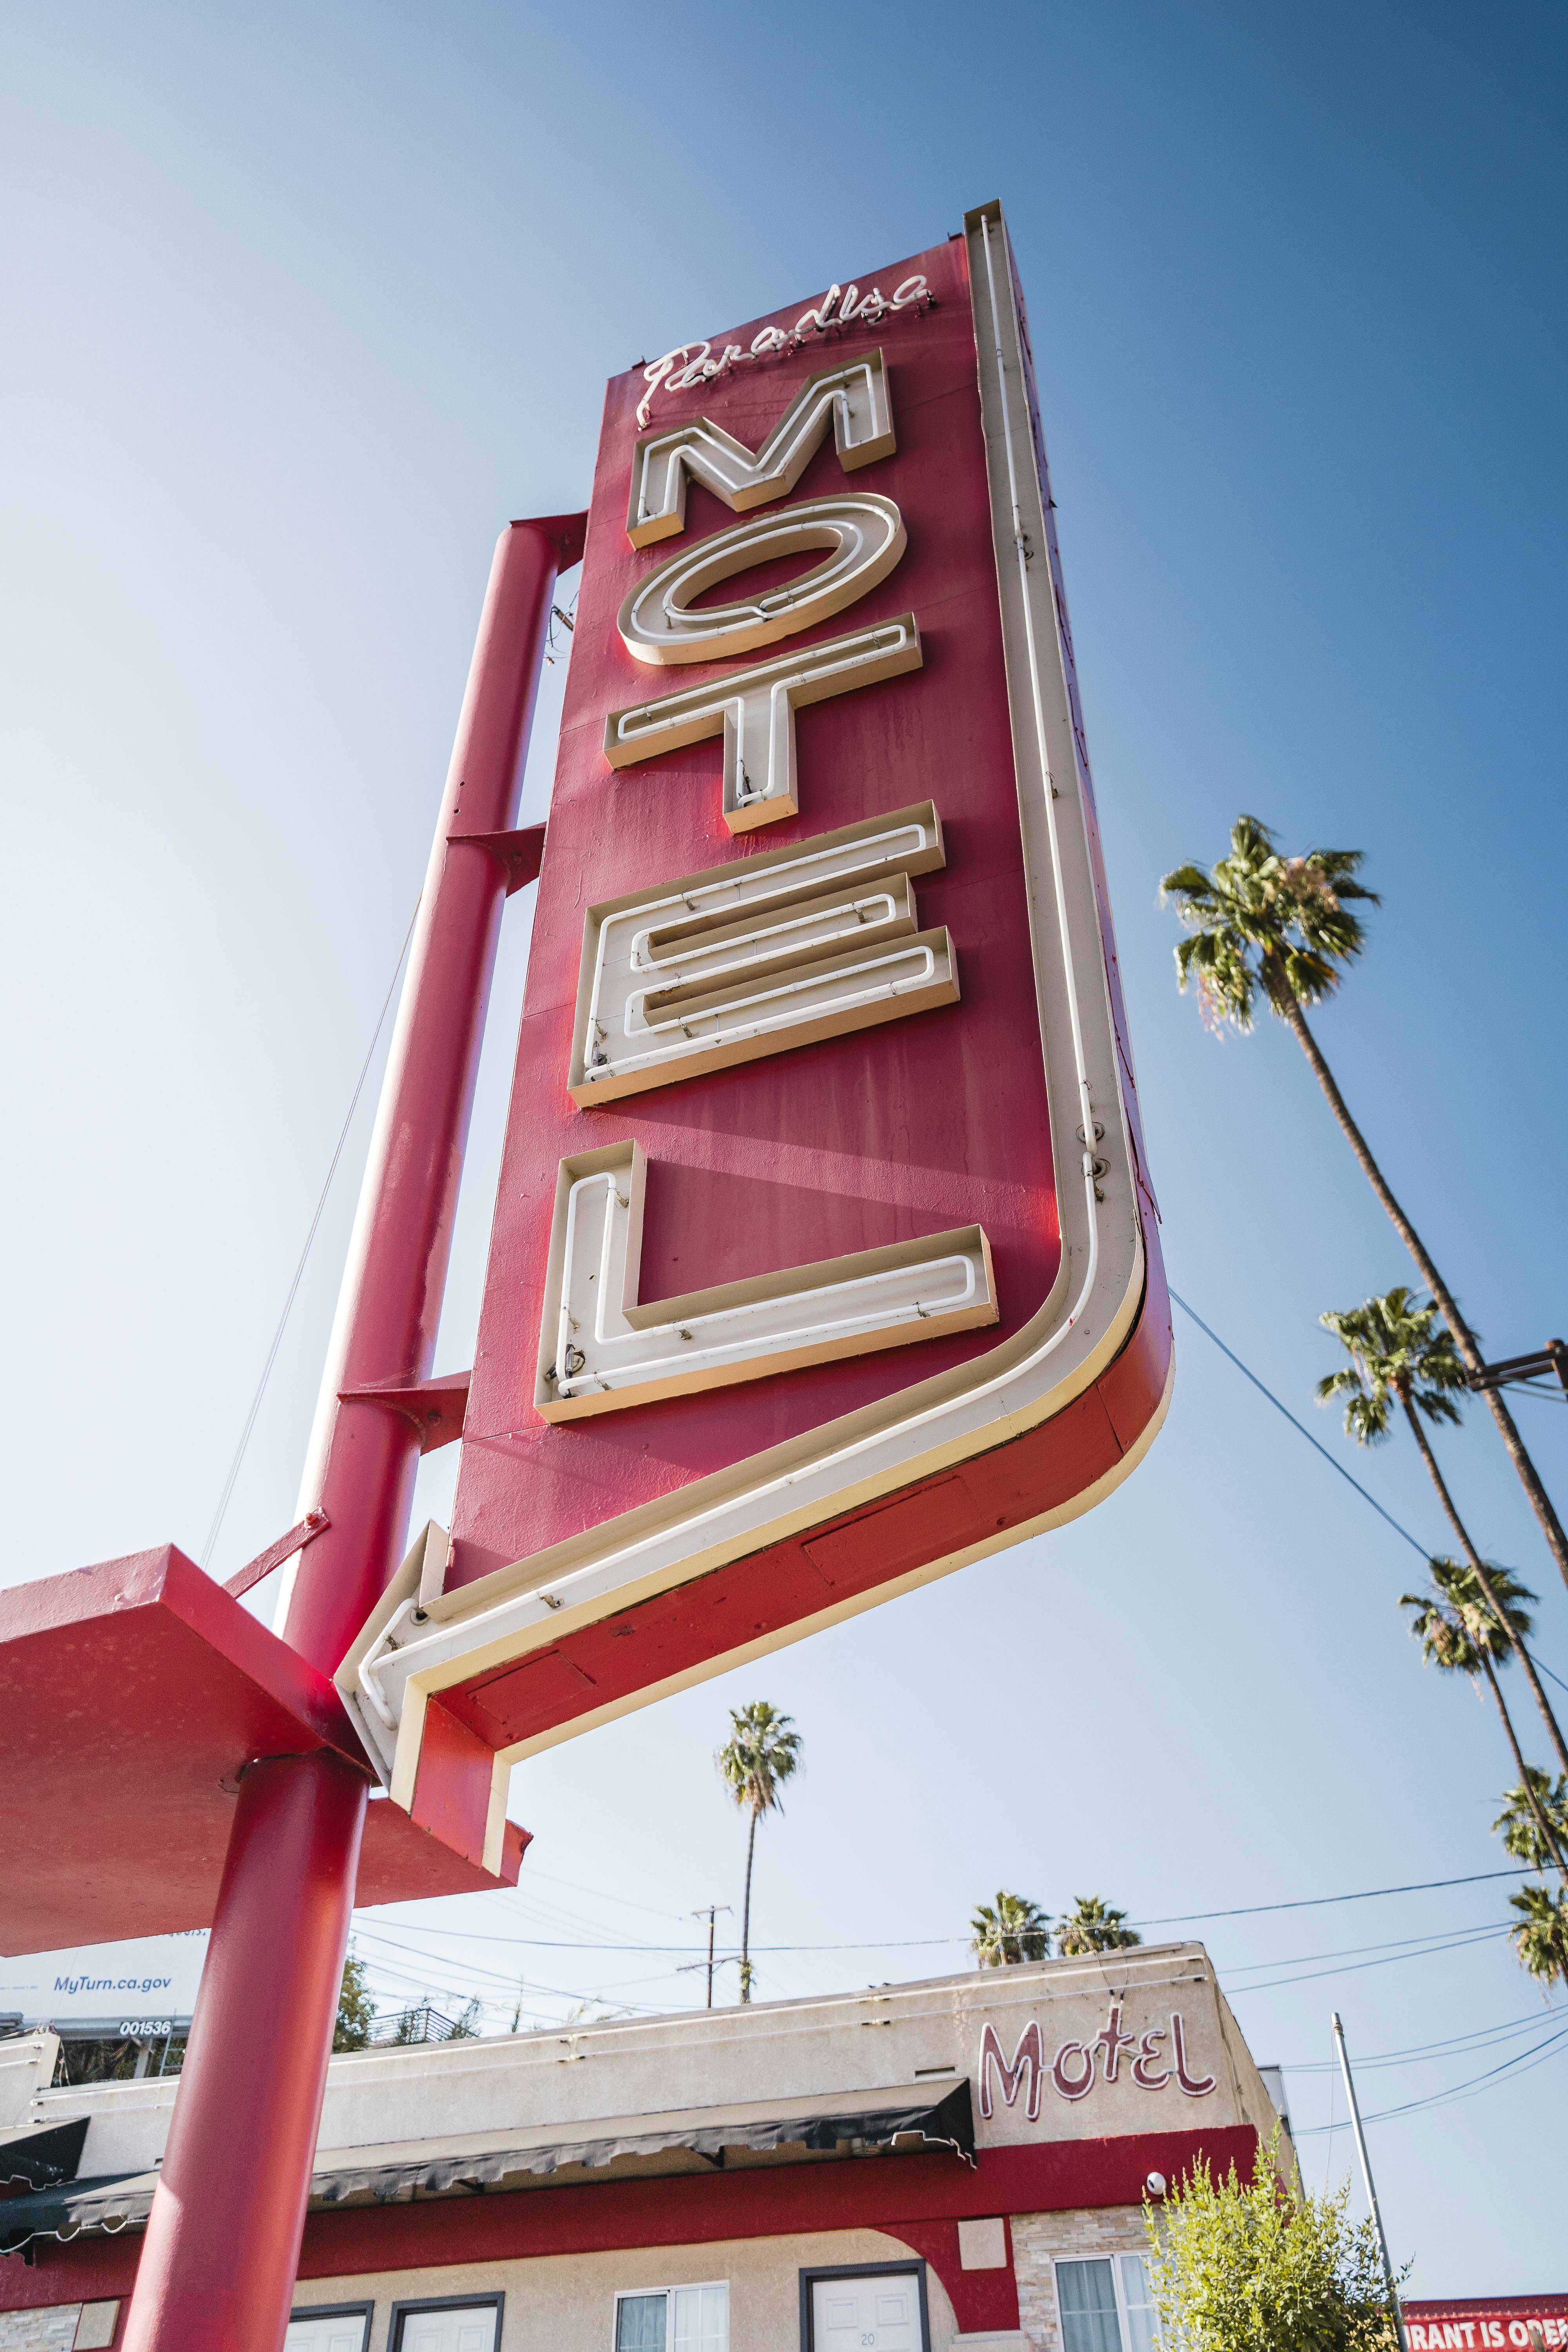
(38, 2155)
(109, 2204)
(867, 2124)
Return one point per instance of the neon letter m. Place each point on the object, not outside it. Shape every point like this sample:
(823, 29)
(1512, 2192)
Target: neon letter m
(854, 395)
(1029, 2054)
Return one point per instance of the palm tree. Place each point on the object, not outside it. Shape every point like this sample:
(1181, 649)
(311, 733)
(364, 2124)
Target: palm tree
(762, 1753)
(1398, 1359)
(1460, 1634)
(1541, 1939)
(1015, 1930)
(1259, 921)
(1092, 1925)
(1521, 1820)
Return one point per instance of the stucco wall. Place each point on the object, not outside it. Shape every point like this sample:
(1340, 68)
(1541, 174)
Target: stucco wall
(566, 2303)
(868, 2041)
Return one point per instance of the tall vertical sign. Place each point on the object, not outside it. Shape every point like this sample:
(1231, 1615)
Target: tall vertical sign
(824, 1256)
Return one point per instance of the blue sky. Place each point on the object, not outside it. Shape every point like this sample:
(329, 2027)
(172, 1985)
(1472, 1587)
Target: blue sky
(305, 303)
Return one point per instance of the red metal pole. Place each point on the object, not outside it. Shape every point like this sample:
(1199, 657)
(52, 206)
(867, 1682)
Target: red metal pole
(360, 1469)
(223, 2239)
(222, 2248)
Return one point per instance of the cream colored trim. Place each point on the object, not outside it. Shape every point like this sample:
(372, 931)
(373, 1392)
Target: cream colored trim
(837, 1614)
(602, 1349)
(659, 624)
(852, 396)
(757, 957)
(402, 1594)
(754, 710)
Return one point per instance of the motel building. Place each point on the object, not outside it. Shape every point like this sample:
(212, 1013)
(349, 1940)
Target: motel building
(952, 2165)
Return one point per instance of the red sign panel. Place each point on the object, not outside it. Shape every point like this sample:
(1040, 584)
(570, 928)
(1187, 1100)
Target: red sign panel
(824, 1258)
(1519, 2323)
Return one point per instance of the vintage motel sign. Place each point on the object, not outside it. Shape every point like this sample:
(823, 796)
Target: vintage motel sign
(824, 1254)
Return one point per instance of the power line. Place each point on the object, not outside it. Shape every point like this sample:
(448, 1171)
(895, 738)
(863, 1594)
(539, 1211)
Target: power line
(1313, 1902)
(234, 1468)
(1441, 1937)
(1519, 2063)
(1317, 1447)
(1432, 1951)
(927, 1943)
(1344, 1963)
(1420, 2053)
(1299, 1426)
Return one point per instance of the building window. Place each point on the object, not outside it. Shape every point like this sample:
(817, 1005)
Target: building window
(330, 2327)
(674, 2319)
(864, 2307)
(453, 2323)
(1143, 2320)
(1105, 2307)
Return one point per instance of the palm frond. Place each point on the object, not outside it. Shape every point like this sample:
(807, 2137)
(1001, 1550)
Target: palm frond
(1541, 1939)
(1094, 1925)
(1261, 919)
(1400, 1354)
(1455, 1624)
(1013, 1931)
(763, 1752)
(1517, 1823)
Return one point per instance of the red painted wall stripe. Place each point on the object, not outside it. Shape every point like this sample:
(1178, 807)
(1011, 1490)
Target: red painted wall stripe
(899, 2194)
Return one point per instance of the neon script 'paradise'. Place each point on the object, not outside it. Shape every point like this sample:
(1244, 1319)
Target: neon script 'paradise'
(689, 365)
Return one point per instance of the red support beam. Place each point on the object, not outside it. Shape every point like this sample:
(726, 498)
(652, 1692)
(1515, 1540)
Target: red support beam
(363, 1458)
(223, 2239)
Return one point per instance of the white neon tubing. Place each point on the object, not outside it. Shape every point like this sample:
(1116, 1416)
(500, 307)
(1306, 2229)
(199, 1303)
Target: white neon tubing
(701, 369)
(382, 1647)
(1079, 1061)
(607, 1377)
(667, 972)
(766, 1026)
(551, 1595)
(674, 1020)
(651, 722)
(663, 458)
(785, 878)
(863, 532)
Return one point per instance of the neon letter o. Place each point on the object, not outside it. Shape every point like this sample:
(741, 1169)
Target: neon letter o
(1073, 2087)
(656, 620)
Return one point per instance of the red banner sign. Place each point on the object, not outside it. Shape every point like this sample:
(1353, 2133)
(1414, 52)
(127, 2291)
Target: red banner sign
(823, 1258)
(1504, 2324)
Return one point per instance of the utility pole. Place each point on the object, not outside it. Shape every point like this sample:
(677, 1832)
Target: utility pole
(709, 1911)
(1366, 2176)
(1519, 1370)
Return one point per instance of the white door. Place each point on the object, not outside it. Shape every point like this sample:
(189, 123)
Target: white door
(343, 2334)
(464, 2327)
(866, 2314)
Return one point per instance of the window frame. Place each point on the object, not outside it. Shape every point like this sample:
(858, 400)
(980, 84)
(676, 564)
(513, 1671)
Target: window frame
(364, 2311)
(1114, 2257)
(405, 2311)
(674, 2286)
(914, 2266)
